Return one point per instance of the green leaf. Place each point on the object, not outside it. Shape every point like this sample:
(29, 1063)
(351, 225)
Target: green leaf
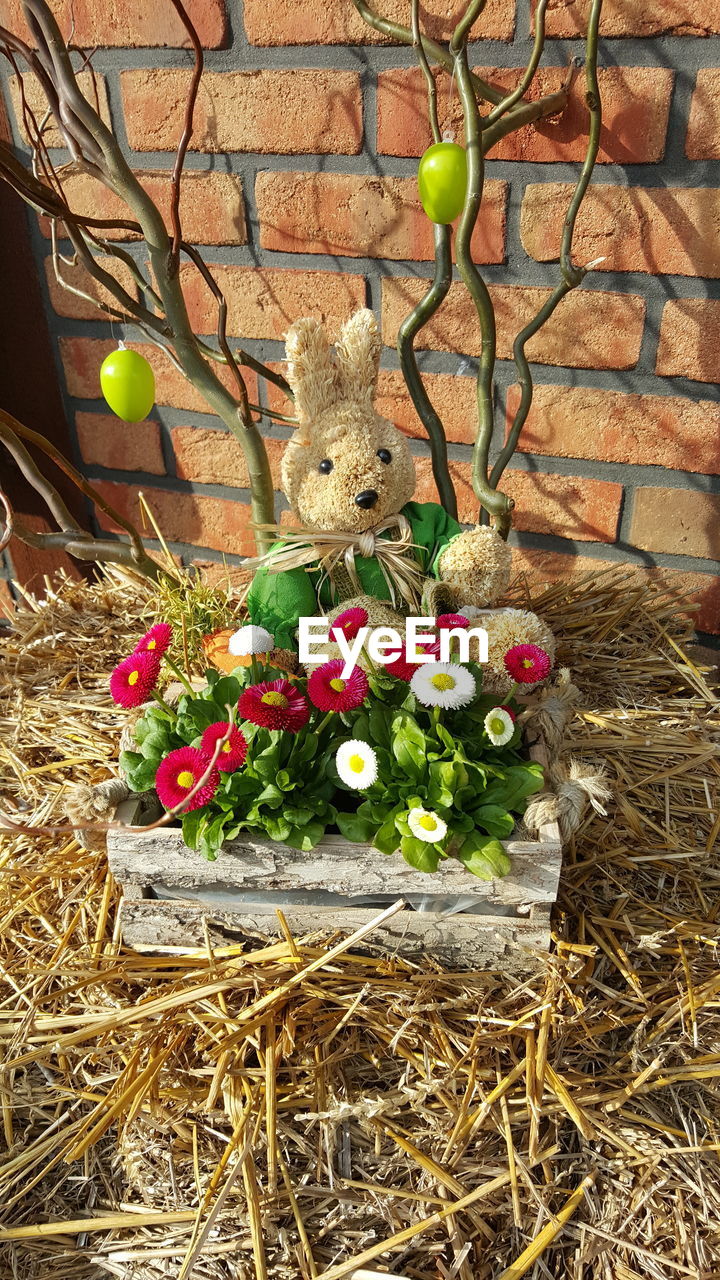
(514, 786)
(420, 855)
(305, 838)
(212, 837)
(278, 828)
(156, 745)
(387, 838)
(379, 724)
(191, 825)
(143, 777)
(358, 829)
(226, 691)
(494, 819)
(484, 856)
(130, 760)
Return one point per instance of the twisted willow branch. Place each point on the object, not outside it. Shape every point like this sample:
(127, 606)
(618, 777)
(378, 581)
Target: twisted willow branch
(410, 327)
(419, 47)
(495, 503)
(432, 48)
(571, 274)
(426, 307)
(71, 536)
(119, 177)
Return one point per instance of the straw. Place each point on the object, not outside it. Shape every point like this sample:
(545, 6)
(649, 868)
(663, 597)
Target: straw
(293, 1109)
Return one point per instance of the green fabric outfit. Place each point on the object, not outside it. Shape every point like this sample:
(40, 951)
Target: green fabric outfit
(277, 601)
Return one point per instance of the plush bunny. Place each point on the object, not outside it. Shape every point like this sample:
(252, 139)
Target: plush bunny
(348, 474)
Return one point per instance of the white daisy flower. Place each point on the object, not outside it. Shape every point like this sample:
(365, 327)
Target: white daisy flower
(250, 640)
(426, 825)
(356, 764)
(499, 726)
(443, 684)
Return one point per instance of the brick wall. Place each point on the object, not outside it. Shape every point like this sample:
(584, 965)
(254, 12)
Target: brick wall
(301, 185)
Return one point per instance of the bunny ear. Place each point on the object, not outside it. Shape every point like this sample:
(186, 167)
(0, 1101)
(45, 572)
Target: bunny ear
(312, 371)
(358, 356)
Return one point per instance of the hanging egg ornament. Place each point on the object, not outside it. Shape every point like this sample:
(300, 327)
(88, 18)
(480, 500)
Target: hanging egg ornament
(442, 180)
(128, 384)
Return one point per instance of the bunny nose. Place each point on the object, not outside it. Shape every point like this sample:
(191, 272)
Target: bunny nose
(366, 499)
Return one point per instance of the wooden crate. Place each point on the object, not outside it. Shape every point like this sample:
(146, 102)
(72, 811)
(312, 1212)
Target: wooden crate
(512, 931)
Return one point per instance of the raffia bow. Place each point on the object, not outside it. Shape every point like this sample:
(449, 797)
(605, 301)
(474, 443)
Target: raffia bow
(308, 548)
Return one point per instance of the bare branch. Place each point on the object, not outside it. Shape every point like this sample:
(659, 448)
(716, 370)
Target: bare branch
(527, 78)
(9, 520)
(528, 112)
(571, 275)
(410, 327)
(419, 47)
(432, 48)
(495, 503)
(120, 178)
(186, 134)
(12, 433)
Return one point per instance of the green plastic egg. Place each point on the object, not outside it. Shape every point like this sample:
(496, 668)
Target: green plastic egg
(442, 180)
(128, 384)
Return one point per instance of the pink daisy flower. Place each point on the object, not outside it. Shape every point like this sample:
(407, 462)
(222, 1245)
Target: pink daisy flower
(274, 704)
(134, 679)
(156, 640)
(179, 773)
(404, 670)
(447, 621)
(329, 692)
(232, 753)
(527, 663)
(350, 623)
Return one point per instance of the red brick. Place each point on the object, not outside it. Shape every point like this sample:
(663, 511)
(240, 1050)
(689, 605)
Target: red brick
(589, 330)
(126, 23)
(583, 422)
(703, 135)
(290, 110)
(690, 340)
(92, 87)
(569, 506)
(453, 397)
(212, 210)
(263, 302)
(123, 446)
(337, 22)
(215, 457)
(660, 229)
(635, 18)
(67, 303)
(218, 523)
(636, 105)
(82, 357)
(363, 217)
(677, 521)
(546, 567)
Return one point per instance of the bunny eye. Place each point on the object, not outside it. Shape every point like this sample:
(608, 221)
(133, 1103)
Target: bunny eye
(384, 455)
(325, 466)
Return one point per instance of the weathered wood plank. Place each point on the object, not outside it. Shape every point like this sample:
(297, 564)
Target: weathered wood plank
(459, 941)
(253, 865)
